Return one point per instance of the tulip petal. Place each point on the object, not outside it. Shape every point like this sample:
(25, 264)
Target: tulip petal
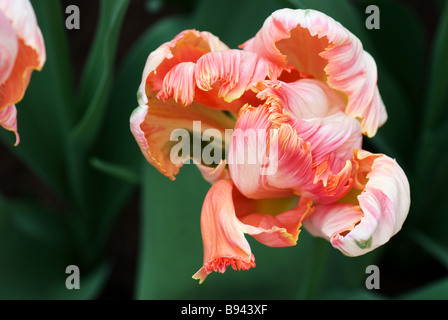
(188, 46)
(378, 214)
(24, 22)
(317, 45)
(226, 217)
(153, 125)
(8, 47)
(310, 157)
(13, 89)
(234, 71)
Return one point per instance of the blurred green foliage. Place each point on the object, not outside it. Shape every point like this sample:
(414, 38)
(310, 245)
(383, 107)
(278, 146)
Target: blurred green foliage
(76, 140)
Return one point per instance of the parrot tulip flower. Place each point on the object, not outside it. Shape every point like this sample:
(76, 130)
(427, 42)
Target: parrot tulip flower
(299, 96)
(22, 50)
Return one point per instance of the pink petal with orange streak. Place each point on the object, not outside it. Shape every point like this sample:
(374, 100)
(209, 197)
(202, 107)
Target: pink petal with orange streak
(317, 45)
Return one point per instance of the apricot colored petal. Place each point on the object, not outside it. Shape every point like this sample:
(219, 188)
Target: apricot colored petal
(226, 217)
(179, 84)
(319, 46)
(381, 209)
(187, 46)
(222, 233)
(153, 125)
(234, 71)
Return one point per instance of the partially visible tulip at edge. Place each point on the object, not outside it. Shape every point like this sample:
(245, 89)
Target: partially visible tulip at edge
(22, 50)
(307, 85)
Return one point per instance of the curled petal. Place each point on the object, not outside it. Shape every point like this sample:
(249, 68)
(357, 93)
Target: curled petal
(322, 48)
(188, 46)
(365, 219)
(158, 126)
(227, 215)
(179, 84)
(8, 120)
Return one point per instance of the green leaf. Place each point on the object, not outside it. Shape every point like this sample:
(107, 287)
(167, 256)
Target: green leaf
(437, 290)
(438, 251)
(437, 97)
(96, 85)
(36, 246)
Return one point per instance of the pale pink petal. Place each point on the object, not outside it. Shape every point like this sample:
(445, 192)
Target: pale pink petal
(371, 216)
(318, 46)
(24, 22)
(227, 216)
(8, 120)
(303, 99)
(274, 154)
(9, 48)
(234, 71)
(179, 84)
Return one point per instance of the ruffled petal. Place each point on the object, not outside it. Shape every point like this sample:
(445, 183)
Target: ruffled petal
(318, 46)
(273, 153)
(227, 215)
(366, 218)
(9, 47)
(188, 46)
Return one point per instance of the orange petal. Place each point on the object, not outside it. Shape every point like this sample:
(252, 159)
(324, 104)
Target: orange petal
(227, 215)
(188, 46)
